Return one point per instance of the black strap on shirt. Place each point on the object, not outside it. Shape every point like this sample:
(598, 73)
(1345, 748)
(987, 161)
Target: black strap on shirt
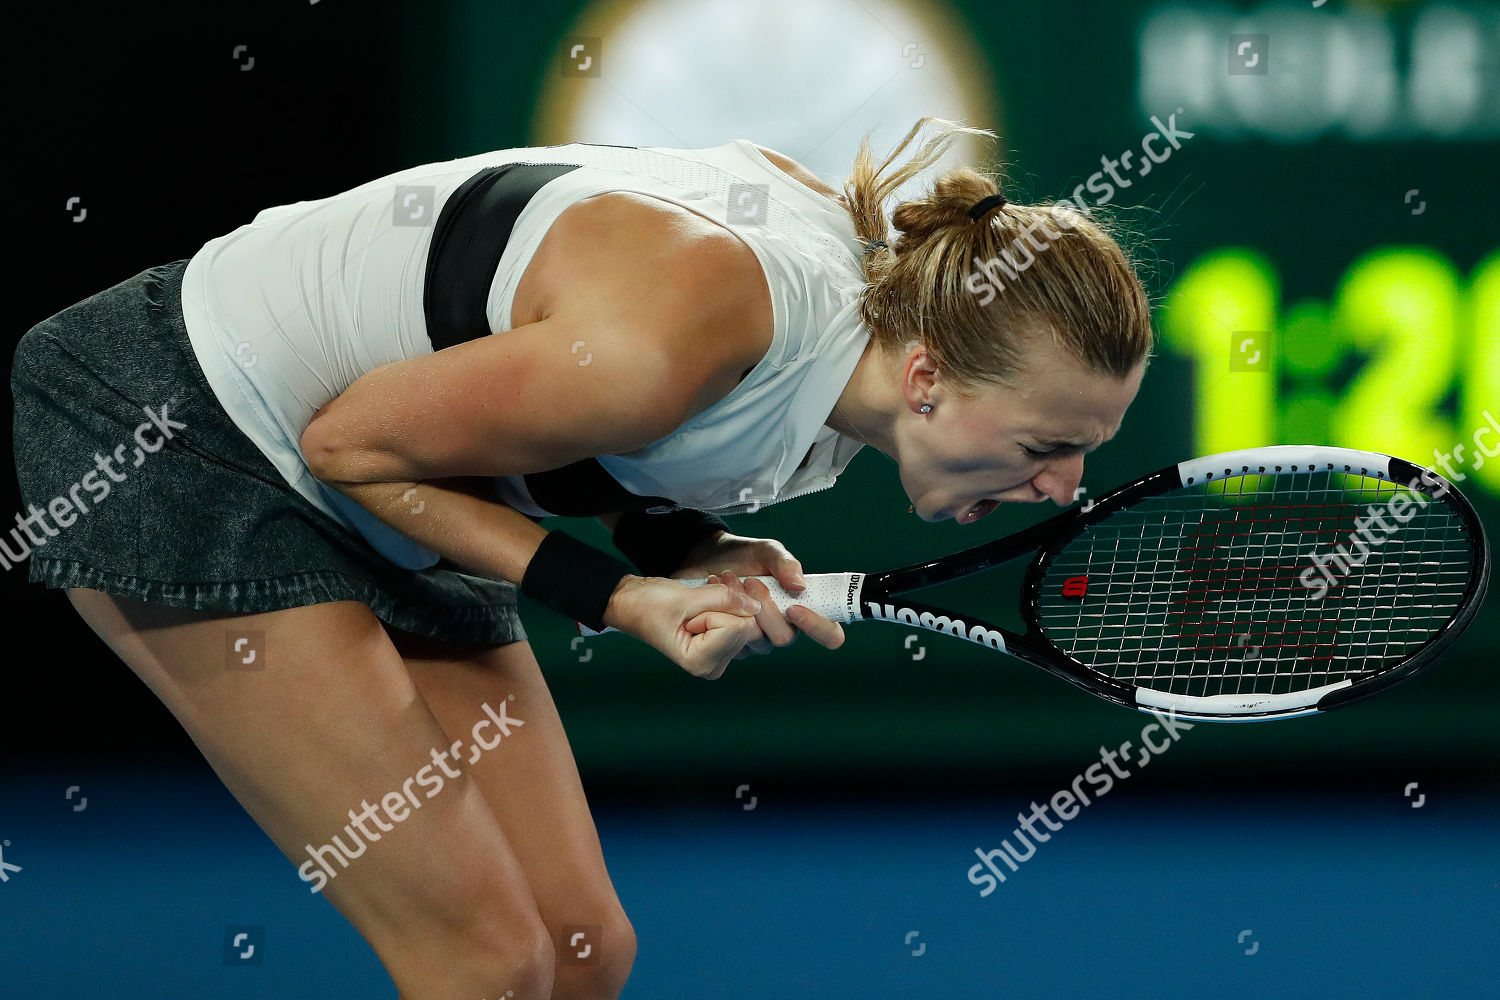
(467, 241)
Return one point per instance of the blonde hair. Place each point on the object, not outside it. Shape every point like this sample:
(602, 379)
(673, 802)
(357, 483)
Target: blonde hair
(1081, 289)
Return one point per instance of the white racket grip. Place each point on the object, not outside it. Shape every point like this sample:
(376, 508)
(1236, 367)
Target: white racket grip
(835, 596)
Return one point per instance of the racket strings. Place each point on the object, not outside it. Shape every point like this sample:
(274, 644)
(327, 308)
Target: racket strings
(1258, 584)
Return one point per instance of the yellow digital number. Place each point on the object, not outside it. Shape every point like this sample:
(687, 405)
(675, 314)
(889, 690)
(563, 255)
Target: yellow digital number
(1222, 314)
(1400, 306)
(1481, 386)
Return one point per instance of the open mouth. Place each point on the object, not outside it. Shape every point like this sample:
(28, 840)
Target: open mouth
(979, 510)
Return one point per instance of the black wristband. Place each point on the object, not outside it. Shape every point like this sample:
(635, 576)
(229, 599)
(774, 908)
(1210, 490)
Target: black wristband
(573, 578)
(659, 543)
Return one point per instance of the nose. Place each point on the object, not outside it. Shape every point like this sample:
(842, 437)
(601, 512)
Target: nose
(1059, 479)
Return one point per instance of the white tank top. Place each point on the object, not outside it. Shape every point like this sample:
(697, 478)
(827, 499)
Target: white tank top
(286, 312)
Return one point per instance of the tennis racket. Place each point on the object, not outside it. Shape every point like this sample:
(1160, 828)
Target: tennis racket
(1252, 585)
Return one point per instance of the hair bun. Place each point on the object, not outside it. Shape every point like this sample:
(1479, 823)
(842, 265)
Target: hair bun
(949, 204)
(987, 204)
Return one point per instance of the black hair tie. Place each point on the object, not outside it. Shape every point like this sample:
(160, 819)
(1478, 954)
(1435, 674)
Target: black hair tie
(985, 204)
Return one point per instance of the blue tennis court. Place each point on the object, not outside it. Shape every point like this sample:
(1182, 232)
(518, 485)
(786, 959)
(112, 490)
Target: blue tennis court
(136, 894)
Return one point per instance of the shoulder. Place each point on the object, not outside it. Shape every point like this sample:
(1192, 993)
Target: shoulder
(677, 284)
(798, 172)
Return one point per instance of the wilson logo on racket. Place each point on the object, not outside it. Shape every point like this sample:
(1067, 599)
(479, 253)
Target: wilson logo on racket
(936, 621)
(1076, 586)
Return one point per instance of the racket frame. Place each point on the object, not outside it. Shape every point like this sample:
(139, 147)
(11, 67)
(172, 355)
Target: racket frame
(880, 592)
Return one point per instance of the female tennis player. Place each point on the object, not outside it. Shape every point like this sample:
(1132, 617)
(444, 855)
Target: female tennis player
(296, 484)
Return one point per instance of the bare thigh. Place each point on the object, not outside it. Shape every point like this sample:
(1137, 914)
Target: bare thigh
(532, 784)
(331, 722)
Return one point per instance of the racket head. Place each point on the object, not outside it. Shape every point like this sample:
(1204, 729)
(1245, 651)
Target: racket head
(1228, 588)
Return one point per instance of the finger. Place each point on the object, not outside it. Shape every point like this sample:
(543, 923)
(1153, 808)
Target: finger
(742, 584)
(772, 622)
(703, 622)
(719, 597)
(735, 582)
(714, 649)
(788, 571)
(822, 631)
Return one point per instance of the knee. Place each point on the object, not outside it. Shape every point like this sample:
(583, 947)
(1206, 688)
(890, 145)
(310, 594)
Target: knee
(594, 970)
(482, 959)
(522, 967)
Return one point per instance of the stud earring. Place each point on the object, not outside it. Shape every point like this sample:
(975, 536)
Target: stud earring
(925, 408)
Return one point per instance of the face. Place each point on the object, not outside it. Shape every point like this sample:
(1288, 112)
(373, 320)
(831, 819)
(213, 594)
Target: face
(1023, 443)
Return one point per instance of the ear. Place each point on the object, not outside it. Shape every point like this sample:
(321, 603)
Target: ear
(919, 376)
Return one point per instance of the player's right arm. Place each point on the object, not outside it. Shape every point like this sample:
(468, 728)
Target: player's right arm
(667, 324)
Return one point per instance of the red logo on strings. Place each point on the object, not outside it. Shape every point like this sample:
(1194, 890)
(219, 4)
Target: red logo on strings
(1076, 586)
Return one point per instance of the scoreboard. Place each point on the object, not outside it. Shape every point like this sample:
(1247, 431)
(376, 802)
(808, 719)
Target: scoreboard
(1403, 357)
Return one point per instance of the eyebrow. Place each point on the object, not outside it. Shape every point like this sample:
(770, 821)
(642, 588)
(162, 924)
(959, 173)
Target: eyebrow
(1084, 445)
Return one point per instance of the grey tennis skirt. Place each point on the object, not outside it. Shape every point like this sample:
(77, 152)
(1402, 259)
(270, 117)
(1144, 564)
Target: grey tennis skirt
(137, 483)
